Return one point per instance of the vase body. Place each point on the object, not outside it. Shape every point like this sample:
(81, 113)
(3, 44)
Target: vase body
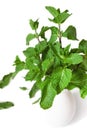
(62, 111)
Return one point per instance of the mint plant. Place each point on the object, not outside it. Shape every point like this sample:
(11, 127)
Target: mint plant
(51, 66)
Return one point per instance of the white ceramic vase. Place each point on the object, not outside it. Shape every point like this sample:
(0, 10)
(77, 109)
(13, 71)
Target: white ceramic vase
(62, 111)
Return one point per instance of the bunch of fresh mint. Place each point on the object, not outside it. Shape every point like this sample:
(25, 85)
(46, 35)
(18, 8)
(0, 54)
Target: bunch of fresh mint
(52, 67)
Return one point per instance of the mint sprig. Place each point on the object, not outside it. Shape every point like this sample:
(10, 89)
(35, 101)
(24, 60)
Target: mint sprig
(52, 67)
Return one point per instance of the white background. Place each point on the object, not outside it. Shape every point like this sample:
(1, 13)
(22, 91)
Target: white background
(14, 17)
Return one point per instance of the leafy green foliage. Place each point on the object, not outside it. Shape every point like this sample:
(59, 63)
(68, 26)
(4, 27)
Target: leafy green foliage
(5, 105)
(59, 17)
(42, 32)
(32, 74)
(54, 34)
(73, 58)
(5, 80)
(83, 91)
(51, 66)
(23, 88)
(33, 90)
(48, 95)
(30, 37)
(52, 10)
(83, 46)
(29, 52)
(83, 65)
(40, 47)
(70, 33)
(20, 65)
(34, 24)
(46, 64)
(65, 78)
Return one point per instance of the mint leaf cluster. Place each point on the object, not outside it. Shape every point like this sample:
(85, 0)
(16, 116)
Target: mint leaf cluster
(51, 66)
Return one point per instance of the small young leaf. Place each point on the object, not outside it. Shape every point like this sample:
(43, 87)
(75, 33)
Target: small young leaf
(70, 33)
(48, 95)
(20, 65)
(34, 24)
(23, 88)
(83, 46)
(6, 80)
(33, 90)
(5, 105)
(61, 17)
(42, 32)
(29, 52)
(73, 58)
(52, 10)
(30, 37)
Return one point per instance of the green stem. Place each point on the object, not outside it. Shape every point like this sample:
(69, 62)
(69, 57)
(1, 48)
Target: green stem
(37, 36)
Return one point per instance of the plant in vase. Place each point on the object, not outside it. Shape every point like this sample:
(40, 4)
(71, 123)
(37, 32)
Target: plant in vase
(52, 67)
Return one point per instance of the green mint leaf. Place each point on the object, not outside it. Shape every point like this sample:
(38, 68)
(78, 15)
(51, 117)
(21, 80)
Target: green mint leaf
(6, 80)
(61, 17)
(40, 47)
(47, 63)
(52, 10)
(65, 78)
(55, 76)
(48, 53)
(42, 32)
(42, 83)
(56, 62)
(60, 78)
(83, 91)
(83, 65)
(30, 37)
(31, 62)
(29, 52)
(20, 65)
(71, 86)
(33, 90)
(57, 47)
(70, 33)
(67, 50)
(32, 74)
(79, 78)
(34, 24)
(23, 88)
(54, 34)
(5, 105)
(75, 50)
(48, 95)
(73, 58)
(36, 101)
(83, 46)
